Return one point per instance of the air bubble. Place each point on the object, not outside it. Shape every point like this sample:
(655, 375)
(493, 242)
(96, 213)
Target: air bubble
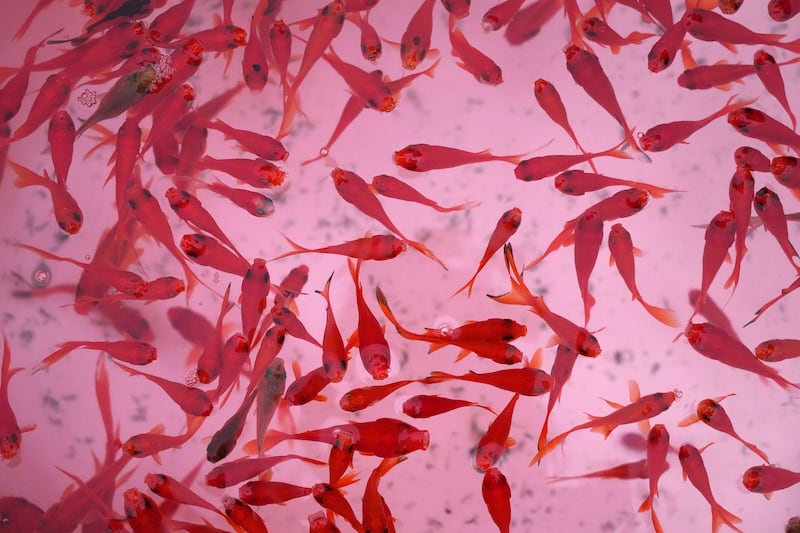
(191, 378)
(41, 276)
(88, 98)
(323, 152)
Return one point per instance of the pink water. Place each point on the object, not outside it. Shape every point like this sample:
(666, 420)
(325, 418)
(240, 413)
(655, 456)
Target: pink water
(437, 489)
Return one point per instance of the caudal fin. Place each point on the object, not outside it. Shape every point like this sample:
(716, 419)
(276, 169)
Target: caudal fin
(424, 250)
(662, 314)
(720, 515)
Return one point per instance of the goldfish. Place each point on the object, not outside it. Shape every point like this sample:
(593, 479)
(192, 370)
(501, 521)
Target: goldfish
(191, 400)
(284, 317)
(622, 252)
(255, 68)
(52, 96)
(719, 236)
(660, 10)
(588, 238)
(550, 101)
(372, 346)
(585, 69)
(141, 512)
(428, 405)
(362, 397)
(232, 358)
(782, 10)
(280, 43)
(129, 351)
(741, 193)
(665, 136)
(257, 172)
(355, 191)
(695, 470)
(713, 414)
(425, 157)
(375, 514)
(578, 183)
(270, 391)
(784, 292)
(191, 211)
(597, 30)
(258, 144)
(234, 472)
(66, 210)
(747, 155)
(253, 202)
(224, 440)
(634, 470)
(756, 124)
(243, 515)
(766, 479)
(712, 342)
(527, 22)
(154, 442)
(392, 187)
(255, 289)
(497, 496)
(173, 106)
(568, 333)
(370, 45)
(372, 90)
(500, 14)
(307, 387)
(560, 372)
(786, 170)
(656, 465)
(640, 409)
(207, 251)
(769, 73)
(494, 442)
(208, 363)
(774, 350)
(666, 47)
(270, 492)
(505, 228)
(61, 136)
(540, 167)
(384, 437)
(416, 40)
(334, 353)
(327, 25)
(166, 26)
(719, 75)
(710, 26)
(331, 498)
(171, 489)
(341, 456)
(472, 60)
(488, 338)
(319, 523)
(374, 248)
(10, 431)
(527, 381)
(271, 345)
(352, 108)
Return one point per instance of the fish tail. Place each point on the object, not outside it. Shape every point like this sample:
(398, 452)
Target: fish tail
(65, 348)
(543, 433)
(467, 285)
(437, 377)
(459, 207)
(547, 448)
(383, 303)
(756, 450)
(662, 314)
(656, 522)
(26, 177)
(424, 250)
(519, 293)
(647, 504)
(290, 107)
(720, 515)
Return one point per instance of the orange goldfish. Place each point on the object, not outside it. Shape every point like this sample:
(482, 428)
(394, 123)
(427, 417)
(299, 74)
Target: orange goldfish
(766, 479)
(341, 456)
(506, 227)
(695, 470)
(10, 431)
(497, 495)
(643, 408)
(622, 252)
(362, 397)
(714, 415)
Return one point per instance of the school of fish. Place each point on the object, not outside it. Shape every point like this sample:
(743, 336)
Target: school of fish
(224, 245)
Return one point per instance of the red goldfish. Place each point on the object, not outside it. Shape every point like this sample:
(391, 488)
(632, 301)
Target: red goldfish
(234, 472)
(372, 346)
(712, 342)
(372, 90)
(129, 351)
(740, 193)
(714, 415)
(766, 479)
(307, 387)
(665, 136)
(253, 202)
(540, 167)
(643, 408)
(473, 60)
(142, 513)
(334, 353)
(769, 209)
(758, 125)
(371, 47)
(500, 14)
(656, 463)
(61, 136)
(719, 236)
(783, 10)
(331, 498)
(587, 72)
(695, 470)
(255, 172)
(392, 187)
(635, 470)
(270, 492)
(710, 26)
(528, 21)
(746, 155)
(67, 212)
(207, 251)
(243, 515)
(425, 157)
(527, 381)
(51, 97)
(494, 442)
(578, 183)
(561, 372)
(588, 238)
(191, 400)
(622, 251)
(664, 50)
(506, 227)
(769, 73)
(254, 61)
(171, 489)
(255, 289)
(10, 431)
(497, 496)
(426, 405)
(416, 40)
(191, 210)
(374, 248)
(375, 514)
(258, 144)
(597, 30)
(774, 350)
